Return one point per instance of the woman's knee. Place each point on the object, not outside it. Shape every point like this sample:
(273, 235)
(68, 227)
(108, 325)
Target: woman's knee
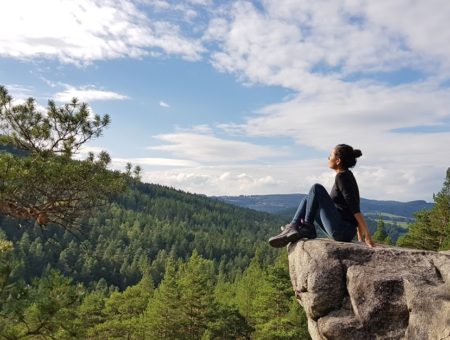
(317, 187)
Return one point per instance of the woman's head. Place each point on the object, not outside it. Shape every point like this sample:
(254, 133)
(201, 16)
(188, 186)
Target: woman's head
(343, 157)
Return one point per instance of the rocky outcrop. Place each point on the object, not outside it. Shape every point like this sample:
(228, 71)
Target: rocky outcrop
(351, 291)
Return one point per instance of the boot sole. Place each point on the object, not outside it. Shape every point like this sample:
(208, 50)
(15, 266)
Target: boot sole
(279, 242)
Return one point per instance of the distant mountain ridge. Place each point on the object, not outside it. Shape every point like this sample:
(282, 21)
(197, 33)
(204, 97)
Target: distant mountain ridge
(280, 203)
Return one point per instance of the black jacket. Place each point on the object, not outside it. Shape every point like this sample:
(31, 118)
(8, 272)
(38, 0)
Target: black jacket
(345, 195)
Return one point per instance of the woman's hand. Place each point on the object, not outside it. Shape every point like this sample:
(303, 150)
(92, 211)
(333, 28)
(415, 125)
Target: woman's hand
(369, 242)
(363, 230)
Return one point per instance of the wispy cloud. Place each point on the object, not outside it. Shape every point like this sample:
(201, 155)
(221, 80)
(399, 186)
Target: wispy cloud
(208, 148)
(87, 94)
(164, 104)
(155, 161)
(222, 180)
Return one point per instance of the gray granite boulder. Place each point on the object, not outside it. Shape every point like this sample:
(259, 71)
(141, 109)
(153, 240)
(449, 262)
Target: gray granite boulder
(351, 291)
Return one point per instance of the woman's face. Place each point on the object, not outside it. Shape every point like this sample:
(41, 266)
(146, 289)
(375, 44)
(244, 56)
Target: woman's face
(333, 161)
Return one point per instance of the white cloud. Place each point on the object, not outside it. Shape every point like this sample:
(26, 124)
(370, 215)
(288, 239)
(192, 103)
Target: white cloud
(220, 180)
(201, 2)
(306, 45)
(154, 161)
(84, 31)
(164, 104)
(375, 182)
(87, 94)
(211, 149)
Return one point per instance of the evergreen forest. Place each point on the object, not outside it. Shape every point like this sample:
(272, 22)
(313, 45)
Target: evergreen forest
(155, 263)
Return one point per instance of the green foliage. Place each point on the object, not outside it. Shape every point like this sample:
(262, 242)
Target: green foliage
(6, 248)
(142, 228)
(42, 182)
(380, 235)
(184, 306)
(273, 306)
(63, 130)
(228, 323)
(163, 313)
(197, 296)
(90, 311)
(421, 234)
(123, 312)
(45, 308)
(246, 289)
(60, 187)
(431, 231)
(263, 295)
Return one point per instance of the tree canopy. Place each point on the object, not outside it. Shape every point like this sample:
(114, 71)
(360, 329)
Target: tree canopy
(39, 178)
(431, 230)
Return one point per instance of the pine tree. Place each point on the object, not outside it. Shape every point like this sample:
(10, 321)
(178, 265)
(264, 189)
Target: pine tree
(44, 309)
(440, 217)
(431, 230)
(6, 248)
(90, 312)
(273, 303)
(388, 241)
(123, 311)
(197, 296)
(40, 180)
(228, 324)
(162, 318)
(380, 234)
(246, 288)
(421, 233)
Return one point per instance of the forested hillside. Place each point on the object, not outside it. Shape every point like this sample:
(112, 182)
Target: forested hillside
(139, 228)
(280, 204)
(153, 237)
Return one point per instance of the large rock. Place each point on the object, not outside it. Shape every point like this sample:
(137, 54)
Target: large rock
(351, 291)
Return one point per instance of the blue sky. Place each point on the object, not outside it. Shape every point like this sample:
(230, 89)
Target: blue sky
(247, 97)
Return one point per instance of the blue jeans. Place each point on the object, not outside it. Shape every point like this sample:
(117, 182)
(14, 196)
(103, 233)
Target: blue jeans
(319, 207)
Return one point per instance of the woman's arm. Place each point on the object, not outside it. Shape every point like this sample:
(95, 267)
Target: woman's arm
(363, 230)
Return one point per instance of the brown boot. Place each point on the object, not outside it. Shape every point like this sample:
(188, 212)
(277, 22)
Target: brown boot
(289, 234)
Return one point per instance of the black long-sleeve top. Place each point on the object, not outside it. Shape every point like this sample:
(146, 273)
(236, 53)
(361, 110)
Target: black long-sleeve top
(345, 195)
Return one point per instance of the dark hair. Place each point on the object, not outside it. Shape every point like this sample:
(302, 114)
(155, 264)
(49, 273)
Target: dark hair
(347, 155)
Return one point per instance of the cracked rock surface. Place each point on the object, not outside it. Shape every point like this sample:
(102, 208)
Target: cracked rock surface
(351, 291)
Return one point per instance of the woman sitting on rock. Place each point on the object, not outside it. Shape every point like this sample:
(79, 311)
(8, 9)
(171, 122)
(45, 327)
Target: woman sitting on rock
(337, 214)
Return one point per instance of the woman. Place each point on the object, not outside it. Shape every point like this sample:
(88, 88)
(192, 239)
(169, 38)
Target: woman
(337, 214)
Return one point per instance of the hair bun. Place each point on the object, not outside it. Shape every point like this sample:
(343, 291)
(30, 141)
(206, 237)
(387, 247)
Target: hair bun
(357, 153)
